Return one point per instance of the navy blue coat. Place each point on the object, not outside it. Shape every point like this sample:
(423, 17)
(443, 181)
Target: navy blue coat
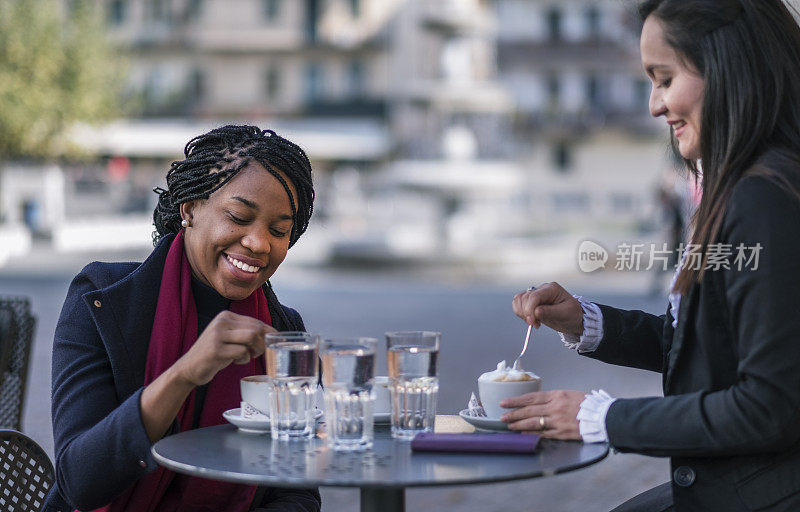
(99, 356)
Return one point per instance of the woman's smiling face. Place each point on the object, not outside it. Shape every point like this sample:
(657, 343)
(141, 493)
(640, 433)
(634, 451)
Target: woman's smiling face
(239, 236)
(678, 90)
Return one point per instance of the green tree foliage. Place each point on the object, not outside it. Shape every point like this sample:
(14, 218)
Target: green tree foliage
(56, 69)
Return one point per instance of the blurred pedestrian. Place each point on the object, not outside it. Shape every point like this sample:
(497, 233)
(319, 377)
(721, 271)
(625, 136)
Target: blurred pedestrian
(671, 210)
(726, 77)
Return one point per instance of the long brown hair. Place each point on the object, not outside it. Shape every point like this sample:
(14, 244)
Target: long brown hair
(748, 53)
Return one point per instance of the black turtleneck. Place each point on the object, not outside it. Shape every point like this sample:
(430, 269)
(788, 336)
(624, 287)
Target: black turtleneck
(208, 303)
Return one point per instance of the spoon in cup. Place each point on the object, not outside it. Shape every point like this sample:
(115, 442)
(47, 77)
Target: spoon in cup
(525, 345)
(524, 348)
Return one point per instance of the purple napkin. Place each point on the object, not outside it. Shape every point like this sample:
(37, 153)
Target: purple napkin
(485, 443)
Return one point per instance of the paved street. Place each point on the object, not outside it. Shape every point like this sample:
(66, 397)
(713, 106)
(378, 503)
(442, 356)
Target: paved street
(478, 329)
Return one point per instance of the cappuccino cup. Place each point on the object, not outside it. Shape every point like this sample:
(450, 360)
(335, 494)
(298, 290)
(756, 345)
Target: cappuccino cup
(256, 391)
(493, 391)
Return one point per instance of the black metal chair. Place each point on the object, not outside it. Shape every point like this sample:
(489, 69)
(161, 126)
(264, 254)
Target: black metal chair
(17, 325)
(26, 473)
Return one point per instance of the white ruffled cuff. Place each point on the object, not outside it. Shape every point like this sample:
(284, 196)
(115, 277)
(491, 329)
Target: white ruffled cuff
(592, 417)
(592, 329)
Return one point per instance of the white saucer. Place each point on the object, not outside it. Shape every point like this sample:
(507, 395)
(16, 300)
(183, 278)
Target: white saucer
(382, 418)
(251, 425)
(484, 423)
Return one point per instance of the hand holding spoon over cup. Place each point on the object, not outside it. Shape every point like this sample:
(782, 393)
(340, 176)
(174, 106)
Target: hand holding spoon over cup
(517, 364)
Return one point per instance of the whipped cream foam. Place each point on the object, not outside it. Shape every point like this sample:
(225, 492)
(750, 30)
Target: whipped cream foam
(505, 373)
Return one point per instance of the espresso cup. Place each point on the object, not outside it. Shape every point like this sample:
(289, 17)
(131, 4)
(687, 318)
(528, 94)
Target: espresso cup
(256, 390)
(383, 397)
(492, 392)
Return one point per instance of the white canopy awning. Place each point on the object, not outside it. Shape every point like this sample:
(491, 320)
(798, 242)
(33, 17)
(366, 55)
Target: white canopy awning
(323, 139)
(456, 177)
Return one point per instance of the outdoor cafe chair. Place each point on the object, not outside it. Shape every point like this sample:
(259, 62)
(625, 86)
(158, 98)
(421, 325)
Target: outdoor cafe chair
(17, 324)
(26, 473)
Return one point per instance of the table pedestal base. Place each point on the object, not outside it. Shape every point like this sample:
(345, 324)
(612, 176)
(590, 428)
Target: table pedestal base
(383, 500)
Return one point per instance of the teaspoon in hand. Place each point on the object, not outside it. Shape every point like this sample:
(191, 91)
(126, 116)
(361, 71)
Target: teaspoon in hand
(525, 346)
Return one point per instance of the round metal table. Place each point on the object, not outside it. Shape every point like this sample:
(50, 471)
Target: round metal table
(382, 473)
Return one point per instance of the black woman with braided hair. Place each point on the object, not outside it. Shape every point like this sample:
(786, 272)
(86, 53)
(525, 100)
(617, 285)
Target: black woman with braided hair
(146, 349)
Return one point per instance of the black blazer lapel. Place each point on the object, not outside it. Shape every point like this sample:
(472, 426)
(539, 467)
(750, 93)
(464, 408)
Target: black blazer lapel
(679, 335)
(126, 319)
(666, 343)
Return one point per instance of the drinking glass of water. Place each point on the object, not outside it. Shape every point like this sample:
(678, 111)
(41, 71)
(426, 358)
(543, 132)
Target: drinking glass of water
(292, 364)
(348, 372)
(412, 358)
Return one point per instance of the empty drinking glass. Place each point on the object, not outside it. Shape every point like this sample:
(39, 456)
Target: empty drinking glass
(412, 361)
(293, 366)
(348, 371)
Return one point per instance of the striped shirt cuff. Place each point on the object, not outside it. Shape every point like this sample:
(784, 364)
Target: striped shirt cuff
(592, 329)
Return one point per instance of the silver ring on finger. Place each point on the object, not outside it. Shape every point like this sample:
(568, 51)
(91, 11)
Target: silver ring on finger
(542, 423)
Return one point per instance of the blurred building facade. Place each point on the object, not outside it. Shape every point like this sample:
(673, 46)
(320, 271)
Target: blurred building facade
(413, 65)
(357, 83)
(511, 71)
(572, 62)
(456, 115)
(573, 68)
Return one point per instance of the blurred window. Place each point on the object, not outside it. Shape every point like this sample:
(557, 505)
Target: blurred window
(554, 24)
(571, 201)
(621, 202)
(593, 22)
(159, 10)
(154, 87)
(641, 95)
(314, 82)
(355, 76)
(355, 8)
(593, 92)
(562, 156)
(197, 84)
(194, 9)
(312, 15)
(272, 82)
(117, 12)
(553, 92)
(90, 185)
(272, 9)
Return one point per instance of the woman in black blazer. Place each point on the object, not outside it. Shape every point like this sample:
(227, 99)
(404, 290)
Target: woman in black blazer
(726, 78)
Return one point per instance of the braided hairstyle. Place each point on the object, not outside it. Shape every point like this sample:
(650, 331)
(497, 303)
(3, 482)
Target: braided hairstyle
(214, 158)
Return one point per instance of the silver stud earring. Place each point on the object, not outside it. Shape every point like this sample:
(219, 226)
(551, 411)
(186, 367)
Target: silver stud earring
(185, 223)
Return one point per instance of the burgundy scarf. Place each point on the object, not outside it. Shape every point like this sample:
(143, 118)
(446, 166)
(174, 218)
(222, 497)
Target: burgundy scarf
(174, 332)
